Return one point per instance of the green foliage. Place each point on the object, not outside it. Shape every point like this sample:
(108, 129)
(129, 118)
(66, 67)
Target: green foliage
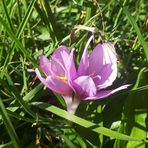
(134, 119)
(33, 116)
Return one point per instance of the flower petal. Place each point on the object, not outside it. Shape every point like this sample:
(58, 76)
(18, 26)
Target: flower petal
(65, 63)
(55, 84)
(108, 75)
(106, 93)
(84, 62)
(71, 70)
(109, 53)
(84, 86)
(96, 60)
(62, 54)
(57, 68)
(45, 65)
(71, 66)
(105, 65)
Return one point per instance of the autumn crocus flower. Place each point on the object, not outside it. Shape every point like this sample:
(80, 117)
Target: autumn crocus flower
(96, 71)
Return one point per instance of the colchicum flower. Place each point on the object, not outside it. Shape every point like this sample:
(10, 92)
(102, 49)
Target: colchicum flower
(96, 71)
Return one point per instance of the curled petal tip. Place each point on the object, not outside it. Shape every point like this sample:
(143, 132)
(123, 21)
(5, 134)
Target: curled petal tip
(105, 93)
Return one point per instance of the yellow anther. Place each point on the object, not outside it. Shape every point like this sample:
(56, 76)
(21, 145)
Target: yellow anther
(62, 78)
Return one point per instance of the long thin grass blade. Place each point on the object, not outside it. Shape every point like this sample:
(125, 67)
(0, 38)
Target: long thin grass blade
(135, 26)
(9, 126)
(83, 122)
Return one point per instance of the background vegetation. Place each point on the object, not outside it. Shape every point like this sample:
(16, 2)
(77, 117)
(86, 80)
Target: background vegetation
(33, 116)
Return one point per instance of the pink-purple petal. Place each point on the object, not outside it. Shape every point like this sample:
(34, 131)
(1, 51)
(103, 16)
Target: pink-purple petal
(96, 60)
(71, 66)
(55, 84)
(108, 75)
(62, 54)
(84, 86)
(103, 62)
(45, 65)
(59, 86)
(84, 62)
(105, 93)
(57, 67)
(71, 70)
(109, 72)
(110, 55)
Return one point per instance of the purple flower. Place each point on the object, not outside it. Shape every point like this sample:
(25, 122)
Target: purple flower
(96, 71)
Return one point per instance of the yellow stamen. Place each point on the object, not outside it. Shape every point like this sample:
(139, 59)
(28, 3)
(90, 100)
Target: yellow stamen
(62, 78)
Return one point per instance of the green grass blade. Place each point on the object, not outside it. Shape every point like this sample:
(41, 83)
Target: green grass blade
(28, 97)
(87, 23)
(15, 93)
(135, 26)
(51, 18)
(9, 125)
(14, 38)
(44, 18)
(17, 116)
(7, 145)
(7, 15)
(69, 143)
(119, 14)
(17, 36)
(84, 123)
(19, 11)
(25, 19)
(135, 114)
